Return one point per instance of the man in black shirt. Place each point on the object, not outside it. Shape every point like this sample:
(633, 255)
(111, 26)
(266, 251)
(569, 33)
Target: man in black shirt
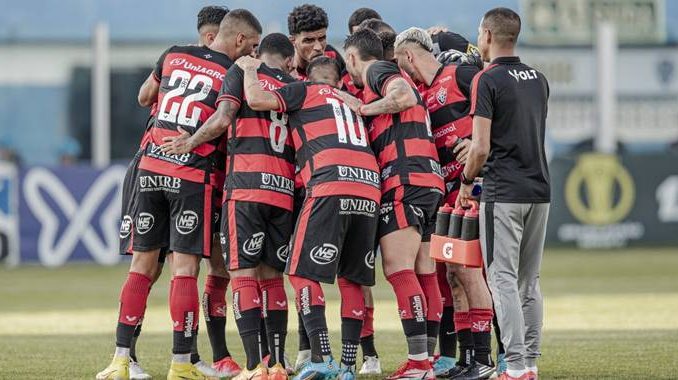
(509, 105)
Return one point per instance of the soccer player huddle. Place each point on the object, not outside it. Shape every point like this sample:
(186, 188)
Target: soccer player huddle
(276, 158)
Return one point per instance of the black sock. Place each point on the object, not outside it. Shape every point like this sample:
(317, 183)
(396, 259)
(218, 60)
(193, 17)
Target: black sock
(195, 355)
(133, 345)
(367, 345)
(316, 328)
(447, 335)
(497, 335)
(276, 331)
(124, 335)
(216, 331)
(466, 346)
(350, 338)
(304, 343)
(264, 338)
(432, 331)
(483, 351)
(249, 325)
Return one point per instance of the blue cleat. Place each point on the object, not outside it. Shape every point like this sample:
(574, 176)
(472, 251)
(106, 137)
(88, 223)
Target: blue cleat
(346, 373)
(502, 366)
(327, 370)
(443, 365)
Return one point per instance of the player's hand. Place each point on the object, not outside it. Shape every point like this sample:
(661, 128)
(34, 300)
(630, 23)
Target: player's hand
(353, 103)
(461, 150)
(432, 31)
(464, 197)
(247, 62)
(180, 144)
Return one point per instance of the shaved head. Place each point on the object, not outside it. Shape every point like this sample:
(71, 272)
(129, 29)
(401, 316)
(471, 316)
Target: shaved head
(504, 24)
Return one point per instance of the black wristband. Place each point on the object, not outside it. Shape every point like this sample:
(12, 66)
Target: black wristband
(466, 181)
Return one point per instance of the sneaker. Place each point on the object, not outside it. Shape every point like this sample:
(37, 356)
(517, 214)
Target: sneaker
(328, 369)
(227, 367)
(136, 372)
(185, 371)
(346, 373)
(303, 358)
(443, 364)
(414, 369)
(371, 366)
(288, 365)
(277, 372)
(477, 371)
(502, 365)
(258, 373)
(117, 370)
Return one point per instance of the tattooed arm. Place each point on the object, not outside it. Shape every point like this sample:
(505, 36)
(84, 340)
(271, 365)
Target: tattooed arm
(399, 97)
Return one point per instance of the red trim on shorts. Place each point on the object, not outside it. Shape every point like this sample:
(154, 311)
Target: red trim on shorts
(300, 233)
(399, 208)
(207, 222)
(232, 237)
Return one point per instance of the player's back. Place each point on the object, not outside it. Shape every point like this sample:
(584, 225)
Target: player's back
(190, 78)
(331, 143)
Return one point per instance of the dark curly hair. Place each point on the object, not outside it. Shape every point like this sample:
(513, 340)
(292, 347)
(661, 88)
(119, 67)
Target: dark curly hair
(211, 15)
(306, 18)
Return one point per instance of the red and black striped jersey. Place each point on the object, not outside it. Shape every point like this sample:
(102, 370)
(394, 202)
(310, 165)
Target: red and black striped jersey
(190, 78)
(260, 160)
(402, 141)
(330, 52)
(332, 147)
(447, 100)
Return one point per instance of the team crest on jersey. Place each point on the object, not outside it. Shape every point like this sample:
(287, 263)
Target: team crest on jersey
(324, 91)
(441, 95)
(252, 246)
(186, 222)
(324, 254)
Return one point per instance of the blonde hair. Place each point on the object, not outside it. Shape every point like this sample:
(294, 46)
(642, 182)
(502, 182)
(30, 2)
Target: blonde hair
(414, 35)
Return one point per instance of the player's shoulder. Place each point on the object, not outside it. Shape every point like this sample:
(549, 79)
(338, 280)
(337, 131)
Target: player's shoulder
(383, 67)
(276, 74)
(203, 52)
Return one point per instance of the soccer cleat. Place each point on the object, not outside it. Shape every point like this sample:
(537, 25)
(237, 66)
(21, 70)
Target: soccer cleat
(277, 372)
(207, 370)
(258, 373)
(226, 367)
(288, 365)
(413, 369)
(502, 366)
(303, 358)
(185, 371)
(136, 372)
(117, 370)
(319, 371)
(371, 366)
(454, 372)
(527, 376)
(346, 373)
(477, 371)
(443, 364)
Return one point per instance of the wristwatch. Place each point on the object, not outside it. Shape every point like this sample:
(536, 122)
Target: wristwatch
(464, 180)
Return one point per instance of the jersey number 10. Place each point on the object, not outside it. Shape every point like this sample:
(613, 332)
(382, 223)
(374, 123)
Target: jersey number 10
(345, 122)
(178, 112)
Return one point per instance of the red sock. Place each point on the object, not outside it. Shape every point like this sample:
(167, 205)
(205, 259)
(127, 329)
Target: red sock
(246, 295)
(443, 285)
(429, 285)
(315, 292)
(184, 304)
(273, 293)
(368, 322)
(462, 321)
(481, 320)
(352, 300)
(214, 296)
(410, 296)
(133, 297)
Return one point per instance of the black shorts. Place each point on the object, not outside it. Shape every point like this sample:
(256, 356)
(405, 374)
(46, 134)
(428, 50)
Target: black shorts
(253, 232)
(407, 206)
(172, 213)
(335, 236)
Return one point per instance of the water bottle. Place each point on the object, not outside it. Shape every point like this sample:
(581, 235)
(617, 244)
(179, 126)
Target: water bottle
(470, 229)
(455, 223)
(443, 220)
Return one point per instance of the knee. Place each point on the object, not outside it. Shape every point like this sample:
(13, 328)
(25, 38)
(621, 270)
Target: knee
(145, 263)
(186, 265)
(266, 272)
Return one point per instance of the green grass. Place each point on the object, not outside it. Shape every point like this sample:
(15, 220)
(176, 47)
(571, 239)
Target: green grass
(609, 315)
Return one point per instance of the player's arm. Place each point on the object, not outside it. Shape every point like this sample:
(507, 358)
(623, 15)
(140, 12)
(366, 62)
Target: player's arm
(257, 98)
(148, 93)
(214, 127)
(398, 96)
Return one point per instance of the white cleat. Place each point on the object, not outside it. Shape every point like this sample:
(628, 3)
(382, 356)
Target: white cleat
(371, 366)
(136, 372)
(303, 358)
(207, 370)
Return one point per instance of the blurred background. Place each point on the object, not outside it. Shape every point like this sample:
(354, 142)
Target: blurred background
(69, 124)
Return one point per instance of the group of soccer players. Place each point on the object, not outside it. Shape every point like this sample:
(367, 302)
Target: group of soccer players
(305, 163)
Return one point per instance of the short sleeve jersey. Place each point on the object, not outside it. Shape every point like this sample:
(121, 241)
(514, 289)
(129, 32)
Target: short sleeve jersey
(332, 147)
(514, 97)
(260, 160)
(403, 142)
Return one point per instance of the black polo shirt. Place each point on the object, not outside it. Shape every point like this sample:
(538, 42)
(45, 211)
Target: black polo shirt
(514, 96)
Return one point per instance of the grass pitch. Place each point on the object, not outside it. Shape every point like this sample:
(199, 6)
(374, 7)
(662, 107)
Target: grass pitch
(608, 315)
